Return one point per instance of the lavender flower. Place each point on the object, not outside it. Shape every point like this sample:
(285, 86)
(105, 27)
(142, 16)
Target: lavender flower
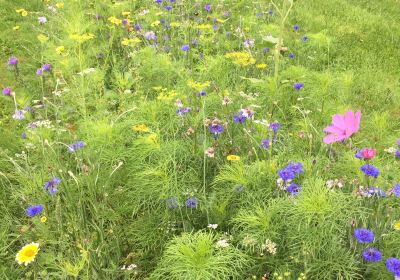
(19, 115)
(265, 143)
(13, 61)
(183, 111)
(76, 146)
(150, 35)
(7, 91)
(396, 190)
(42, 20)
(185, 48)
(207, 7)
(191, 203)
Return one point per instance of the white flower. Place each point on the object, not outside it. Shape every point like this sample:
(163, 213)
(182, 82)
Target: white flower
(212, 226)
(222, 243)
(42, 20)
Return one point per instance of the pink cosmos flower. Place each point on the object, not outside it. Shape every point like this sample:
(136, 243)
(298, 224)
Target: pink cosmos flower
(342, 127)
(368, 153)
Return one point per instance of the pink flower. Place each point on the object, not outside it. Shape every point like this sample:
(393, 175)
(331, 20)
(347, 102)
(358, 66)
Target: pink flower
(342, 127)
(368, 153)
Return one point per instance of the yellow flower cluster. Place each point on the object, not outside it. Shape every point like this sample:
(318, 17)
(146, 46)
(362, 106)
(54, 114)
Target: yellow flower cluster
(261, 66)
(42, 38)
(204, 27)
(60, 5)
(82, 38)
(241, 58)
(140, 128)
(22, 12)
(130, 41)
(114, 20)
(197, 85)
(167, 96)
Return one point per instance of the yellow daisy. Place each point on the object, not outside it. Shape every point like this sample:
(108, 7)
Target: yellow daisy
(60, 49)
(27, 253)
(396, 225)
(43, 219)
(233, 158)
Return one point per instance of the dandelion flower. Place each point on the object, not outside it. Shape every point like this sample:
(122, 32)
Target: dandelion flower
(27, 253)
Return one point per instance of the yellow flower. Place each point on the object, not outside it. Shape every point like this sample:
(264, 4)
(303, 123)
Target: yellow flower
(261, 65)
(15, 28)
(126, 14)
(60, 49)
(82, 38)
(130, 42)
(197, 85)
(241, 58)
(233, 158)
(156, 23)
(43, 219)
(152, 137)
(114, 20)
(60, 5)
(204, 26)
(175, 24)
(396, 225)
(24, 13)
(140, 128)
(42, 38)
(27, 253)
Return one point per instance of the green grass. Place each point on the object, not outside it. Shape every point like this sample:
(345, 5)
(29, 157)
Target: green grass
(111, 209)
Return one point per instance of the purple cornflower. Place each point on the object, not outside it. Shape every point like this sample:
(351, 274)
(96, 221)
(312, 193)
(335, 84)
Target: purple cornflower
(137, 26)
(216, 128)
(393, 265)
(7, 91)
(172, 203)
(191, 203)
(364, 235)
(75, 146)
(19, 115)
(39, 72)
(12, 61)
(270, 12)
(34, 210)
(397, 154)
(295, 168)
(266, 50)
(51, 186)
(47, 67)
(286, 174)
(207, 7)
(158, 1)
(370, 170)
(396, 190)
(24, 136)
(124, 21)
(265, 143)
(168, 7)
(293, 189)
(240, 118)
(372, 255)
(185, 48)
(359, 154)
(183, 111)
(296, 27)
(298, 86)
(275, 127)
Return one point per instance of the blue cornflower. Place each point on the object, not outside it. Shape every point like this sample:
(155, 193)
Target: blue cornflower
(168, 7)
(305, 38)
(364, 235)
(185, 48)
(398, 142)
(259, 14)
(75, 146)
(291, 55)
(396, 190)
(265, 143)
(296, 27)
(137, 26)
(191, 202)
(295, 168)
(372, 255)
(201, 93)
(397, 154)
(172, 203)
(376, 192)
(275, 126)
(266, 50)
(270, 12)
(286, 174)
(359, 154)
(293, 189)
(183, 111)
(393, 265)
(23, 135)
(216, 128)
(34, 210)
(370, 170)
(207, 7)
(51, 185)
(298, 86)
(158, 1)
(240, 118)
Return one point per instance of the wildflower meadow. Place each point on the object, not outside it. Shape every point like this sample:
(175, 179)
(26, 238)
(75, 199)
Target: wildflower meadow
(200, 140)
